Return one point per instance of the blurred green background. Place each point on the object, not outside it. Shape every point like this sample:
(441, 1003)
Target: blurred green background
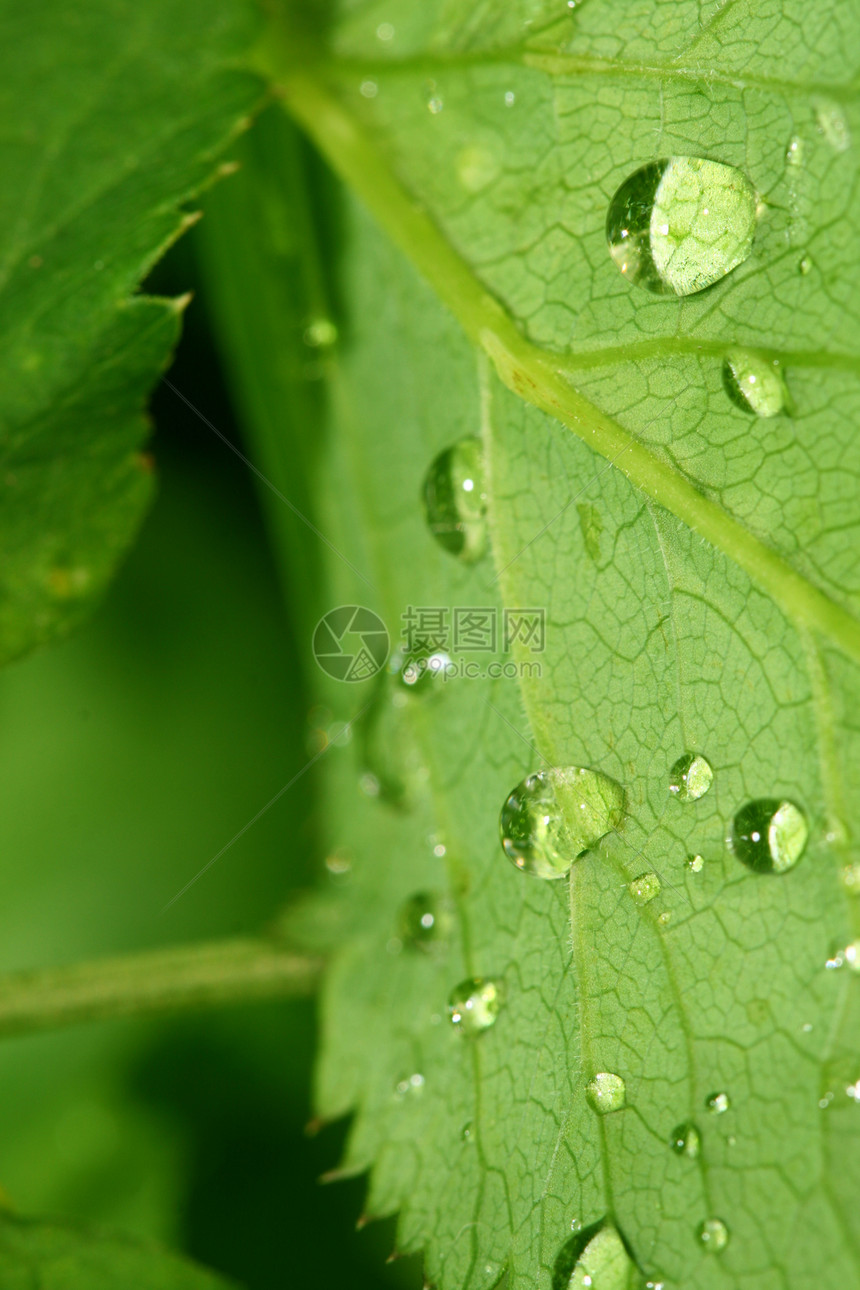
(130, 755)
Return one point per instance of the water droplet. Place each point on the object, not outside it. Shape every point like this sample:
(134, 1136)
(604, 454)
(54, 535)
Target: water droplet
(853, 1091)
(416, 672)
(644, 888)
(769, 835)
(476, 168)
(455, 501)
(409, 1087)
(665, 918)
(680, 224)
(833, 125)
(690, 777)
(369, 89)
(320, 333)
(794, 151)
(850, 877)
(510, 98)
(713, 1235)
(606, 1093)
(595, 1257)
(806, 265)
(474, 1005)
(425, 921)
(338, 863)
(435, 102)
(555, 815)
(754, 384)
(686, 1140)
(695, 864)
(851, 954)
(466, 1131)
(718, 1103)
(385, 31)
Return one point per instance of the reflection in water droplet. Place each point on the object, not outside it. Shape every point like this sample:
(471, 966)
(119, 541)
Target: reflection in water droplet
(644, 888)
(455, 500)
(595, 1257)
(718, 1103)
(425, 921)
(555, 815)
(680, 224)
(606, 1092)
(474, 1005)
(695, 864)
(769, 835)
(754, 384)
(713, 1235)
(686, 1140)
(690, 777)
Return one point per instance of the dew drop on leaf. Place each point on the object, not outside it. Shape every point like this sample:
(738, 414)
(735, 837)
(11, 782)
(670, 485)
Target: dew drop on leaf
(474, 1005)
(644, 888)
(554, 816)
(690, 777)
(833, 125)
(678, 225)
(606, 1092)
(754, 384)
(425, 921)
(718, 1103)
(769, 835)
(805, 265)
(594, 1257)
(713, 1235)
(418, 671)
(695, 864)
(455, 500)
(686, 1140)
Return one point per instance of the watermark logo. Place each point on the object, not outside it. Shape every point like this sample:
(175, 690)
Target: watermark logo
(351, 643)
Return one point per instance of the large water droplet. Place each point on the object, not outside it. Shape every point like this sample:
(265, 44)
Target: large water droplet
(718, 1103)
(606, 1092)
(690, 777)
(595, 1257)
(644, 888)
(555, 815)
(754, 384)
(425, 921)
(713, 1235)
(769, 835)
(474, 1005)
(680, 224)
(686, 1140)
(455, 500)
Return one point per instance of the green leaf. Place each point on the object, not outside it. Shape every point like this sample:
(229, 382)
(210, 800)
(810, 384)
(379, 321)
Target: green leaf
(116, 115)
(698, 568)
(57, 1256)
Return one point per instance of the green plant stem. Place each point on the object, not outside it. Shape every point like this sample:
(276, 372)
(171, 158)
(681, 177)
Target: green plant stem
(529, 371)
(193, 976)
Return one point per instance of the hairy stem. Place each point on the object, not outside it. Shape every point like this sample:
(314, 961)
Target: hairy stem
(193, 976)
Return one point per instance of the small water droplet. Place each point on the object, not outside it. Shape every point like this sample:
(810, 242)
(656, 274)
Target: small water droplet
(665, 918)
(718, 1103)
(435, 102)
(474, 1005)
(690, 777)
(477, 167)
(606, 1092)
(806, 265)
(320, 333)
(713, 1235)
(686, 1140)
(554, 816)
(425, 921)
(680, 224)
(416, 672)
(385, 31)
(794, 152)
(455, 500)
(825, 1101)
(695, 864)
(409, 1087)
(596, 1257)
(853, 1091)
(466, 1132)
(369, 89)
(754, 384)
(833, 125)
(510, 98)
(769, 835)
(851, 954)
(850, 878)
(338, 863)
(644, 888)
